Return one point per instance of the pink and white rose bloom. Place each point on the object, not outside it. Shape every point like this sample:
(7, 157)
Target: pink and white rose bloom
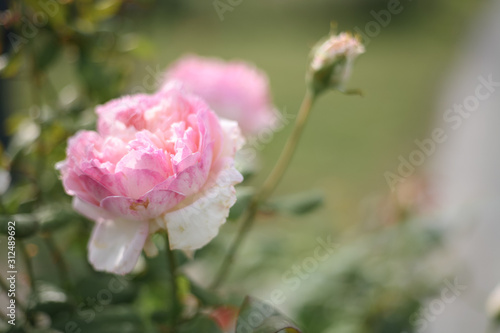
(162, 161)
(235, 90)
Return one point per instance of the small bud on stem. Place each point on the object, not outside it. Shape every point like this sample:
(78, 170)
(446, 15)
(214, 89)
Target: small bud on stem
(331, 62)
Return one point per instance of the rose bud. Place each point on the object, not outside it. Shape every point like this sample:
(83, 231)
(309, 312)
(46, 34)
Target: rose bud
(156, 162)
(332, 60)
(234, 90)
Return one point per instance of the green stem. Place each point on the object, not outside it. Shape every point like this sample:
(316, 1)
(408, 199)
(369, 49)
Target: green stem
(176, 305)
(36, 95)
(267, 188)
(245, 227)
(29, 269)
(283, 162)
(59, 261)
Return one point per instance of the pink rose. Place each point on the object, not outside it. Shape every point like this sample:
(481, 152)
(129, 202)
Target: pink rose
(162, 161)
(234, 90)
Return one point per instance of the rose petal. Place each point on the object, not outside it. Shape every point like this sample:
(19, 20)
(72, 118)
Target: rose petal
(233, 138)
(95, 189)
(193, 226)
(115, 245)
(89, 210)
(133, 173)
(151, 205)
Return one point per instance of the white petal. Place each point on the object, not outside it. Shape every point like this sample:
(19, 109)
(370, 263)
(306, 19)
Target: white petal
(115, 245)
(89, 211)
(193, 226)
(233, 139)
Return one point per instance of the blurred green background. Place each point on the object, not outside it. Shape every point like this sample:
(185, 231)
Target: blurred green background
(349, 142)
(347, 146)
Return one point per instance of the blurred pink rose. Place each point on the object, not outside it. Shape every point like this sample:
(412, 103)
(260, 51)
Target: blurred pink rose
(234, 90)
(162, 161)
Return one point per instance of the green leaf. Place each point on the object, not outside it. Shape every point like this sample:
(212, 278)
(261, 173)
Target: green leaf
(278, 325)
(116, 289)
(25, 225)
(50, 299)
(15, 197)
(297, 204)
(244, 196)
(55, 216)
(117, 314)
(103, 318)
(260, 317)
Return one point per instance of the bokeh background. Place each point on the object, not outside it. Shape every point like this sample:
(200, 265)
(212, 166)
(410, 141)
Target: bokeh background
(383, 271)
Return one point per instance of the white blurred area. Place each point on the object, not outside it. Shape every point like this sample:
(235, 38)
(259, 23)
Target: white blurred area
(465, 180)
